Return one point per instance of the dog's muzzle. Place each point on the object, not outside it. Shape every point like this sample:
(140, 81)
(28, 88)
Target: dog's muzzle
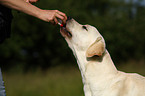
(63, 30)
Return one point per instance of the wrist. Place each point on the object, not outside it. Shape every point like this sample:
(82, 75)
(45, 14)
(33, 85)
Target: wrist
(40, 14)
(43, 15)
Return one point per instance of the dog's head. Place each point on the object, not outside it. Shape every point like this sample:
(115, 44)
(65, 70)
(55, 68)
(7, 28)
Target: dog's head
(83, 38)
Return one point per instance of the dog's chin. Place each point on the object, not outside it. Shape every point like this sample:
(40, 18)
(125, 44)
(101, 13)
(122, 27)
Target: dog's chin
(65, 33)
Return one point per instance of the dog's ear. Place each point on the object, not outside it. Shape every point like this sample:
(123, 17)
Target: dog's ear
(97, 48)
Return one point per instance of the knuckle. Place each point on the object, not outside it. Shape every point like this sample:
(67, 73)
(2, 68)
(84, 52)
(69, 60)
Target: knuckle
(56, 10)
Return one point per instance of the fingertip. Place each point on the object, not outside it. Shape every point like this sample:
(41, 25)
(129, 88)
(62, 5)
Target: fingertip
(65, 16)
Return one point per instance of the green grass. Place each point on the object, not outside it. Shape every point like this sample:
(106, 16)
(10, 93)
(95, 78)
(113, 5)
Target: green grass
(59, 81)
(55, 82)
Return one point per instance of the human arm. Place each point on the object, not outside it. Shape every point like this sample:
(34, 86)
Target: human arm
(28, 8)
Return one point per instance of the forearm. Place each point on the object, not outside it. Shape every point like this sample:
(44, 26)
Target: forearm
(28, 8)
(22, 6)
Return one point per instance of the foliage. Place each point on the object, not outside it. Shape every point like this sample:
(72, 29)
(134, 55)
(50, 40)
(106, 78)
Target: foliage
(35, 43)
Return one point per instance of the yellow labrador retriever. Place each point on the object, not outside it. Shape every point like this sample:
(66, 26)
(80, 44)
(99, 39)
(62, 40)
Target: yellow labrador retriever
(100, 76)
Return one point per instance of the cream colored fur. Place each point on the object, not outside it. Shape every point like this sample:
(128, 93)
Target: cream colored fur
(100, 76)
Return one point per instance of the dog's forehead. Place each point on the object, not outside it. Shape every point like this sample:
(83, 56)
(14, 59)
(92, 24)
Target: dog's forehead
(88, 36)
(93, 31)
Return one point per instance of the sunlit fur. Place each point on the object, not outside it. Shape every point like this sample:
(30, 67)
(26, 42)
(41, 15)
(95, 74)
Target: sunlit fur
(100, 76)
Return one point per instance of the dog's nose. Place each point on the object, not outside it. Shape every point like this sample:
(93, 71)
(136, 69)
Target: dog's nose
(69, 18)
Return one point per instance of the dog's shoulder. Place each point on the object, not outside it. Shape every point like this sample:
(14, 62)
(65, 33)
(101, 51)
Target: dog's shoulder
(130, 80)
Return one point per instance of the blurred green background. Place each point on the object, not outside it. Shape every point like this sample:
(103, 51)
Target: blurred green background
(36, 60)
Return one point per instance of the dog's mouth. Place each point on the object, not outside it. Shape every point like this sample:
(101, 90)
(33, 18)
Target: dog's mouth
(64, 30)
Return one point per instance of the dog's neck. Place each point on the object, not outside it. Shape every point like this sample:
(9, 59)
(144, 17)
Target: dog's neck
(101, 63)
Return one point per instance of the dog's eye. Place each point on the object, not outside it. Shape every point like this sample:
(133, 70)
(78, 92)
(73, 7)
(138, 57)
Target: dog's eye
(84, 27)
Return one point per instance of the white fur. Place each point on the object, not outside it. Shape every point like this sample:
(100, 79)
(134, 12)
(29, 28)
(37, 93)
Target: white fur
(100, 76)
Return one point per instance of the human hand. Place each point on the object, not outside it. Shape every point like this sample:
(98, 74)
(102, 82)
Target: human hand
(31, 1)
(52, 15)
